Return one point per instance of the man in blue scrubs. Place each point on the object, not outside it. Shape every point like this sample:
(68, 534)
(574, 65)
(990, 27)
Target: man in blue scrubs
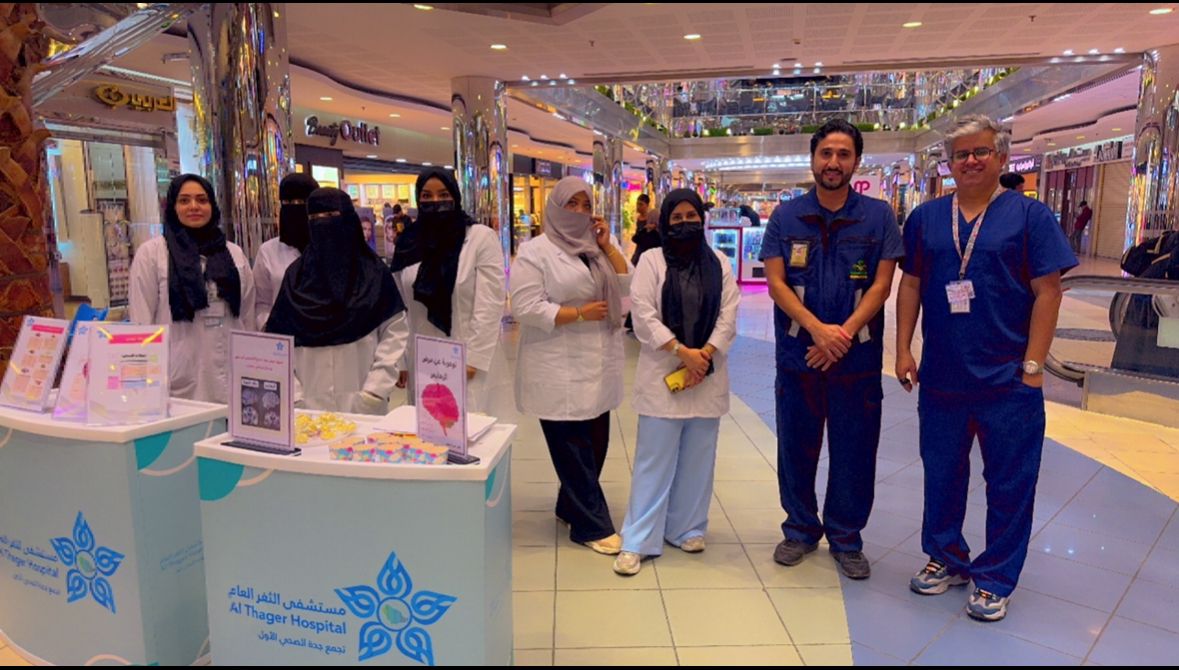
(829, 257)
(984, 265)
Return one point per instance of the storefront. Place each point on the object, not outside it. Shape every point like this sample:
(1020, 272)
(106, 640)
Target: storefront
(532, 179)
(113, 152)
(1098, 174)
(1029, 168)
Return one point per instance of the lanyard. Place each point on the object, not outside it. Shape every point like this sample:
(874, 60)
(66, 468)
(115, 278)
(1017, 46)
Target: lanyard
(965, 255)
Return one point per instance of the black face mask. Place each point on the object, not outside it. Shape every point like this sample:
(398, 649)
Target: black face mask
(688, 230)
(436, 207)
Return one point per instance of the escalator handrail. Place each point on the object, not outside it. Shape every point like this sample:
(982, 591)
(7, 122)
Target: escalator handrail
(1128, 285)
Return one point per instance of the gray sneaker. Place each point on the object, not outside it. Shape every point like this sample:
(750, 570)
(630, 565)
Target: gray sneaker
(935, 579)
(791, 552)
(986, 606)
(853, 564)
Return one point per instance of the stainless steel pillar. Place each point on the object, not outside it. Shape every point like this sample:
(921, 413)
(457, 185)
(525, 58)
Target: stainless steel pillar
(1154, 184)
(608, 181)
(481, 157)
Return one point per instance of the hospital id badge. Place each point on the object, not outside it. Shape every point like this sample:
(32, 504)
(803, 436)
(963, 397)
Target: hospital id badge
(959, 294)
(798, 254)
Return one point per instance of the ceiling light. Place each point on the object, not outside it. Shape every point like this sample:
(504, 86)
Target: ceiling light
(1161, 10)
(371, 156)
(1054, 60)
(818, 65)
(444, 128)
(400, 160)
(394, 115)
(1068, 52)
(1080, 137)
(424, 8)
(1116, 130)
(326, 98)
(499, 47)
(428, 164)
(798, 65)
(1119, 50)
(912, 24)
(572, 81)
(448, 167)
(525, 78)
(692, 36)
(1094, 52)
(562, 76)
(535, 83)
(777, 65)
(544, 77)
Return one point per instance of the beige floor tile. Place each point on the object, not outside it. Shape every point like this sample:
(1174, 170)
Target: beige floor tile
(528, 497)
(720, 531)
(747, 495)
(744, 469)
(616, 657)
(534, 568)
(812, 616)
(740, 656)
(757, 526)
(826, 654)
(615, 470)
(532, 618)
(533, 657)
(817, 570)
(611, 619)
(1150, 463)
(711, 618)
(534, 529)
(533, 471)
(721, 566)
(582, 569)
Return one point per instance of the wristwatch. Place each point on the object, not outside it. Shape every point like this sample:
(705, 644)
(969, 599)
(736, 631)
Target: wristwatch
(675, 350)
(579, 316)
(1032, 368)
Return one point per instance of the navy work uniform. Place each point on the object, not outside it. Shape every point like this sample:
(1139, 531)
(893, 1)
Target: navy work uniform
(976, 305)
(831, 260)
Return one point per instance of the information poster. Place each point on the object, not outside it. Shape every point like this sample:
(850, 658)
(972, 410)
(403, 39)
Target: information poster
(128, 375)
(440, 392)
(261, 382)
(71, 397)
(33, 367)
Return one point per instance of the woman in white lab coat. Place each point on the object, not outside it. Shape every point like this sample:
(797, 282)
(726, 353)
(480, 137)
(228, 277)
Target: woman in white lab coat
(451, 276)
(277, 254)
(684, 305)
(198, 284)
(340, 304)
(567, 290)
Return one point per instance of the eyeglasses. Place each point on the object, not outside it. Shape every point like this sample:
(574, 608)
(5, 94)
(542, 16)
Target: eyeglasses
(980, 154)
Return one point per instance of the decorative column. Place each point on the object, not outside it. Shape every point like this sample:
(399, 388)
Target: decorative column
(480, 153)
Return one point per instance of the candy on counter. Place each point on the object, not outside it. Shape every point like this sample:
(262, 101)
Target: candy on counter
(326, 426)
(388, 448)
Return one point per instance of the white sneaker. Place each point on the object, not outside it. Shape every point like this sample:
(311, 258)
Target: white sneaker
(628, 563)
(607, 545)
(693, 545)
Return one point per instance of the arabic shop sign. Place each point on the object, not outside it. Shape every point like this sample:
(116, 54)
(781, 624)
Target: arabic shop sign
(1092, 154)
(114, 97)
(359, 132)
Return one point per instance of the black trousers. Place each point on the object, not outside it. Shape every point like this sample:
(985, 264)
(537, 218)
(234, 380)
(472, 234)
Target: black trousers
(578, 450)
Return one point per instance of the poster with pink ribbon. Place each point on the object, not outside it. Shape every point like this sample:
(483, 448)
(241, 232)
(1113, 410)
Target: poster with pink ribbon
(440, 392)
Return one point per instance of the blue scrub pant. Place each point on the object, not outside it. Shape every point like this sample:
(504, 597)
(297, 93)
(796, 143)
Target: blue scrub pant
(671, 487)
(850, 407)
(1010, 430)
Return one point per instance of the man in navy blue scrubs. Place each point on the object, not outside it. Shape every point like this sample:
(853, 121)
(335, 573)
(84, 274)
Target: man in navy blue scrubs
(829, 256)
(984, 265)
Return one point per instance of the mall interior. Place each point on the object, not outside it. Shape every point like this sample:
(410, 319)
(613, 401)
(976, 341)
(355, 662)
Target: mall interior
(118, 543)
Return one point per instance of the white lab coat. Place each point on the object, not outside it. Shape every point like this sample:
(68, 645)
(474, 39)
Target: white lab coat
(198, 350)
(563, 373)
(331, 378)
(477, 310)
(709, 399)
(274, 257)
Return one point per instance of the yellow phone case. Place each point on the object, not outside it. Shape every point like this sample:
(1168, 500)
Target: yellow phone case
(677, 381)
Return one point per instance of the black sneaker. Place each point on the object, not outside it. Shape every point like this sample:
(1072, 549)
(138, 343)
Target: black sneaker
(853, 564)
(791, 552)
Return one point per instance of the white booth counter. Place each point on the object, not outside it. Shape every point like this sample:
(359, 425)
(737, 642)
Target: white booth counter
(311, 560)
(101, 558)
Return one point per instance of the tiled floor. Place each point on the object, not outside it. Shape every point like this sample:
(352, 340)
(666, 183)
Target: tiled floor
(1099, 587)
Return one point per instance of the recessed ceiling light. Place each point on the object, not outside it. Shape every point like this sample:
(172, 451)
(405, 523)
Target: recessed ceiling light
(371, 156)
(912, 24)
(1094, 52)
(1080, 137)
(1119, 50)
(544, 77)
(525, 78)
(444, 128)
(499, 47)
(325, 98)
(1161, 10)
(1116, 130)
(1068, 52)
(798, 65)
(424, 8)
(515, 146)
(818, 65)
(428, 164)
(400, 160)
(394, 115)
(562, 76)
(692, 36)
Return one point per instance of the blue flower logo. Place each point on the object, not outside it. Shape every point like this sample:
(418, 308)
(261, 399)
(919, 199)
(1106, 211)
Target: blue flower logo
(89, 564)
(399, 612)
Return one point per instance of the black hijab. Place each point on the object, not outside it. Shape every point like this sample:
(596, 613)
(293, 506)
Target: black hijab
(338, 291)
(436, 242)
(186, 283)
(694, 284)
(292, 217)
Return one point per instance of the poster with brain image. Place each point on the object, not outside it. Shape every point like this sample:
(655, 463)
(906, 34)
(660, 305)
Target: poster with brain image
(440, 387)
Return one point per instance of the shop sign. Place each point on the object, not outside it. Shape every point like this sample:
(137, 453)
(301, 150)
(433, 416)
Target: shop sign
(113, 96)
(1026, 165)
(359, 132)
(1076, 157)
(546, 169)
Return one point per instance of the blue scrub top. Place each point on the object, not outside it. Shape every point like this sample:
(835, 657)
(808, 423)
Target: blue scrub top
(831, 260)
(1020, 240)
